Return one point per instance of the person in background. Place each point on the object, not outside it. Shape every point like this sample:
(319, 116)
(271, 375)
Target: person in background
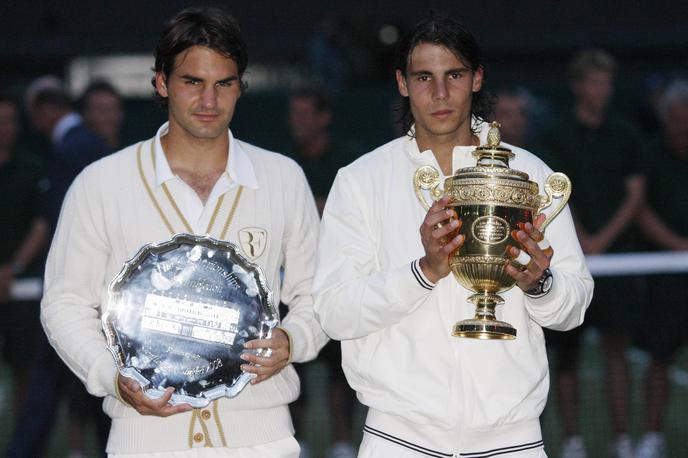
(383, 285)
(102, 108)
(310, 117)
(664, 221)
(314, 149)
(23, 238)
(518, 113)
(512, 111)
(600, 154)
(73, 147)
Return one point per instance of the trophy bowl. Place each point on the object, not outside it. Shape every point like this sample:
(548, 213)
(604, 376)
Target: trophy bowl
(491, 199)
(179, 314)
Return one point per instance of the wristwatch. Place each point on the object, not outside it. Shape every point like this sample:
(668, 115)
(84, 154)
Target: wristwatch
(544, 285)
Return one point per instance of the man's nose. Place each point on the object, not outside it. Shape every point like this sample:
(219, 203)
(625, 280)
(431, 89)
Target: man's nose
(439, 89)
(209, 97)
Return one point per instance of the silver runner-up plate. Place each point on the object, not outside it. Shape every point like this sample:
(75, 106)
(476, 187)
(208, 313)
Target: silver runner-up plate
(179, 314)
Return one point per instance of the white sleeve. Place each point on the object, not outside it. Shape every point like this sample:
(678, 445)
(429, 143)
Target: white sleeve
(74, 281)
(354, 297)
(299, 245)
(564, 307)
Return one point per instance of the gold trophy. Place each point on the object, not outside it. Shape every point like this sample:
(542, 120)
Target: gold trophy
(490, 199)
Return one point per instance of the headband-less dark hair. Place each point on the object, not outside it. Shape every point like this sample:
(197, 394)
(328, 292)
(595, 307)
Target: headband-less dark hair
(445, 31)
(199, 26)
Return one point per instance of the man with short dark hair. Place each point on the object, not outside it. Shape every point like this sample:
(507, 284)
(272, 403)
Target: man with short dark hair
(385, 291)
(191, 173)
(102, 107)
(74, 146)
(600, 153)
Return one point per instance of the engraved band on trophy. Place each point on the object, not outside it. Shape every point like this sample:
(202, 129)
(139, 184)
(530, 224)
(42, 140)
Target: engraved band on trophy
(179, 313)
(490, 199)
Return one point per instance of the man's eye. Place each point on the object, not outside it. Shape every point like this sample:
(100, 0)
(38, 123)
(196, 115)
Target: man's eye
(455, 75)
(424, 78)
(224, 83)
(193, 82)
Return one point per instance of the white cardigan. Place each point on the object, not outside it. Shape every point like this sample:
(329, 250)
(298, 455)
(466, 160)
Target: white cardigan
(107, 216)
(422, 385)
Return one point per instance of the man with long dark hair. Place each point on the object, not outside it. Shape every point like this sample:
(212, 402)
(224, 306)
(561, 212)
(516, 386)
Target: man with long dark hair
(192, 171)
(385, 291)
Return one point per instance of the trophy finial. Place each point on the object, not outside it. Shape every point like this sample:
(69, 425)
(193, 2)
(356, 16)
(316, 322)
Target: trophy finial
(493, 153)
(493, 135)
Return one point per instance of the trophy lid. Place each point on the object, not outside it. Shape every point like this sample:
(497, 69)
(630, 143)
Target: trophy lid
(493, 158)
(493, 153)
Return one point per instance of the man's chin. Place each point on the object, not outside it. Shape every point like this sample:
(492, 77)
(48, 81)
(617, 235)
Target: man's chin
(208, 133)
(440, 130)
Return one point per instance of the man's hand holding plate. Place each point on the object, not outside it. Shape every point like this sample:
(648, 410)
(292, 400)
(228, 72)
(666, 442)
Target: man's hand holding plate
(266, 366)
(131, 393)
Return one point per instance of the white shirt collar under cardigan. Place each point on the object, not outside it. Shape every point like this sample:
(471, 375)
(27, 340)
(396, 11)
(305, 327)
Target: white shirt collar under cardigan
(239, 168)
(238, 172)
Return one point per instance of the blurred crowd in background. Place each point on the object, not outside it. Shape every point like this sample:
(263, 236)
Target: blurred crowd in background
(628, 165)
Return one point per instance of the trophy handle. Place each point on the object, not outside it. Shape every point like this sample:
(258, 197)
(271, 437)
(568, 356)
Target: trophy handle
(557, 185)
(427, 178)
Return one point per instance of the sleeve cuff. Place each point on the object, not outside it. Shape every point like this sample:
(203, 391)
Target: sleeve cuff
(105, 372)
(409, 288)
(119, 395)
(420, 276)
(291, 344)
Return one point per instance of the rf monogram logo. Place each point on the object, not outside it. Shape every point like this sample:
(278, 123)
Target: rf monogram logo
(253, 241)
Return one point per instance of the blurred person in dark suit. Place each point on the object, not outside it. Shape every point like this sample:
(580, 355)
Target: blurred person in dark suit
(74, 147)
(664, 221)
(35, 141)
(23, 236)
(102, 108)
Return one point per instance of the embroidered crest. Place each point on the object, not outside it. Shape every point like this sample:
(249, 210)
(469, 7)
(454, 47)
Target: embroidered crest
(253, 241)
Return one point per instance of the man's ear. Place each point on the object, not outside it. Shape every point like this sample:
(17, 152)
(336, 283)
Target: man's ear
(401, 84)
(478, 79)
(161, 84)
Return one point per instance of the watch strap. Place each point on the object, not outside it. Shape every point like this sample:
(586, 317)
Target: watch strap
(541, 289)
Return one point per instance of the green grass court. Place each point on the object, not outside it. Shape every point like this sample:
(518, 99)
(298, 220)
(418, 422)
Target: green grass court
(594, 421)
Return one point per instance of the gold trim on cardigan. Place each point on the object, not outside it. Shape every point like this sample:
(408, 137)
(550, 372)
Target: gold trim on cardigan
(219, 424)
(230, 215)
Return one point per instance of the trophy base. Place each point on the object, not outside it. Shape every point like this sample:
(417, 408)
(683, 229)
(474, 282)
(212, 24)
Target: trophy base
(484, 330)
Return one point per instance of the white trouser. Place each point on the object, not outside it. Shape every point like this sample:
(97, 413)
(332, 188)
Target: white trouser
(283, 448)
(377, 447)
